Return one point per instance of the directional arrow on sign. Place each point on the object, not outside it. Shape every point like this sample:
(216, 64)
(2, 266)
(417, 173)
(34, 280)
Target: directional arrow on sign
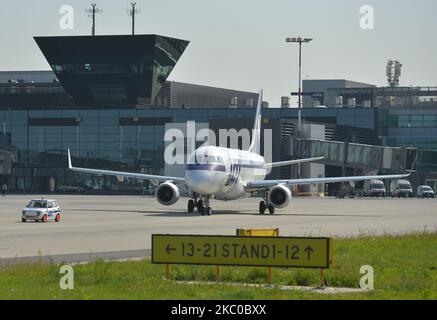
(309, 250)
(169, 249)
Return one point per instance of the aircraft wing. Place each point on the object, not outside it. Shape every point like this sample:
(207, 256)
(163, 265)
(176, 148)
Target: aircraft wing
(291, 162)
(259, 184)
(140, 176)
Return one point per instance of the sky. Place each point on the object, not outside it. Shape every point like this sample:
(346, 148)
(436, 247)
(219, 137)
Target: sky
(240, 44)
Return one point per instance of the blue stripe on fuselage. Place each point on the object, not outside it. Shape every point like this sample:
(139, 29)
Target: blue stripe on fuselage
(219, 167)
(205, 167)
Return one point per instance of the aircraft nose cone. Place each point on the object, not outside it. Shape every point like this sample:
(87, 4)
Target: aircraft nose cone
(203, 182)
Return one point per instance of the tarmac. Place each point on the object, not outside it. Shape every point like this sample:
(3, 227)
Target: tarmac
(120, 227)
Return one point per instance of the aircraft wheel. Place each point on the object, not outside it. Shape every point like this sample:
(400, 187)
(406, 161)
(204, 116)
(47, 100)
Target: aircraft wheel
(271, 209)
(203, 211)
(262, 207)
(190, 205)
(208, 211)
(199, 206)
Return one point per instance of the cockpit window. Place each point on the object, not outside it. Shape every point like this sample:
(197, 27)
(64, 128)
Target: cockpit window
(205, 158)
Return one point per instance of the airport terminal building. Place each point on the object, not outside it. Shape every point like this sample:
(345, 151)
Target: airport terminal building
(110, 104)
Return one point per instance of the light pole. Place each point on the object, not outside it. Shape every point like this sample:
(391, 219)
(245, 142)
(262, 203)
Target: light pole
(299, 40)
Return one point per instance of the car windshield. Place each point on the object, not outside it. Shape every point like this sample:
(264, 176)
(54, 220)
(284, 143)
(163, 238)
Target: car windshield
(426, 188)
(378, 186)
(404, 186)
(37, 204)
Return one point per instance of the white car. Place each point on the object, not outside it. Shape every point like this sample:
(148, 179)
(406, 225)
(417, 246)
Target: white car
(425, 192)
(41, 210)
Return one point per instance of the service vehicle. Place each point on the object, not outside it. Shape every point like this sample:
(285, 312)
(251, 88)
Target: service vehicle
(41, 210)
(401, 188)
(71, 189)
(374, 188)
(425, 192)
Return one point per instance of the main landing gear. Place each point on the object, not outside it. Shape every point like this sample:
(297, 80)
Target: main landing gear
(202, 205)
(264, 205)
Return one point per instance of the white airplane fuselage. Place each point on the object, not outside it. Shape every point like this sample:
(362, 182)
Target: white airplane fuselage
(223, 172)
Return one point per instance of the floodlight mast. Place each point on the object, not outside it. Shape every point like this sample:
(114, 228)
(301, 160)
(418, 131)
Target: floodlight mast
(299, 40)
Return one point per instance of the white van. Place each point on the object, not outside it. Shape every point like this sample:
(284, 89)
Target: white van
(374, 188)
(401, 188)
(425, 192)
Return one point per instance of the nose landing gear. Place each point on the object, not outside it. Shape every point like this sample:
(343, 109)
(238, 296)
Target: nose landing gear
(202, 205)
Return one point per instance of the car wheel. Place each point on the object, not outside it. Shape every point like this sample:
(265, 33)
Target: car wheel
(44, 218)
(58, 217)
(23, 220)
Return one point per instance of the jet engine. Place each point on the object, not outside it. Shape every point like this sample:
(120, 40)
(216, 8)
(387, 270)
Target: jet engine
(279, 196)
(167, 193)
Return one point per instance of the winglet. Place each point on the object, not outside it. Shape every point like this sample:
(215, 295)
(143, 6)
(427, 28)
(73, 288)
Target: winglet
(69, 160)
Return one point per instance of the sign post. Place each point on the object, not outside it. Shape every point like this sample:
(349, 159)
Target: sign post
(297, 252)
(261, 233)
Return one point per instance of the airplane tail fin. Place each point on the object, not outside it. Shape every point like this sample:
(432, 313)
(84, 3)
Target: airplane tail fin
(70, 166)
(255, 146)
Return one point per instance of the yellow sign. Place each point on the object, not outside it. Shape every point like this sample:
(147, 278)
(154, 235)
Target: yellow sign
(242, 251)
(258, 232)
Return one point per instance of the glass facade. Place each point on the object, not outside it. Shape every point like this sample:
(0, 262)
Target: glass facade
(415, 126)
(117, 139)
(128, 69)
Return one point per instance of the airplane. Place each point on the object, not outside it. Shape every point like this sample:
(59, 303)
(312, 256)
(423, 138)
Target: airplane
(228, 174)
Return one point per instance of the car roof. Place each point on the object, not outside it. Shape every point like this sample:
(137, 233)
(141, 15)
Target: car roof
(43, 200)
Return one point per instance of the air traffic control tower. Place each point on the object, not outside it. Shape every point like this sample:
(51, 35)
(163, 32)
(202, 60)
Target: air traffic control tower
(116, 69)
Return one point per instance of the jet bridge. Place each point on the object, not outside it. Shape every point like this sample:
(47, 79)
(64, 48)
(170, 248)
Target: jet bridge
(357, 156)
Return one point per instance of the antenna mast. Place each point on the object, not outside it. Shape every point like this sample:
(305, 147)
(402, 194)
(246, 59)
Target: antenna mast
(132, 12)
(393, 71)
(92, 13)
